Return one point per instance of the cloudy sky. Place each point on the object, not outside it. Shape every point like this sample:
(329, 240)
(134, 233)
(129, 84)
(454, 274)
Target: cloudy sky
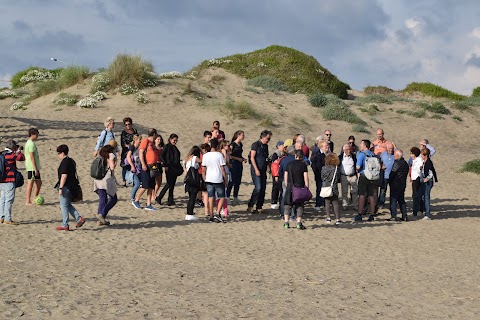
(363, 42)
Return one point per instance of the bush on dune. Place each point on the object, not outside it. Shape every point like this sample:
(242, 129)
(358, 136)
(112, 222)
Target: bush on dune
(373, 90)
(430, 89)
(472, 166)
(131, 70)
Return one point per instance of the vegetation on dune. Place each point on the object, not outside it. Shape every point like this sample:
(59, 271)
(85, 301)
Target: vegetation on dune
(472, 166)
(130, 70)
(318, 100)
(268, 83)
(375, 98)
(341, 112)
(467, 104)
(434, 107)
(360, 128)
(430, 89)
(476, 92)
(240, 110)
(300, 72)
(374, 90)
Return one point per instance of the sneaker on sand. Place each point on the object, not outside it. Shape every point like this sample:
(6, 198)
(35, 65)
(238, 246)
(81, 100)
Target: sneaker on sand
(217, 218)
(357, 218)
(286, 225)
(300, 226)
(328, 220)
(371, 218)
(62, 228)
(211, 220)
(191, 217)
(80, 222)
(426, 218)
(274, 206)
(10, 222)
(250, 209)
(136, 205)
(150, 208)
(338, 222)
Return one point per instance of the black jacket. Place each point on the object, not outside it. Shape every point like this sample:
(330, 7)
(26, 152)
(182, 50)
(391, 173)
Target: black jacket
(317, 163)
(398, 175)
(170, 156)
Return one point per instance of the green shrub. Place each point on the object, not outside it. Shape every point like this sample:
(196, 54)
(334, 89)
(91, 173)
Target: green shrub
(467, 104)
(341, 113)
(432, 90)
(318, 100)
(72, 75)
(376, 120)
(240, 110)
(434, 107)
(377, 98)
(371, 109)
(476, 92)
(360, 128)
(218, 78)
(437, 116)
(298, 71)
(375, 90)
(66, 98)
(457, 118)
(417, 113)
(267, 122)
(253, 89)
(471, 166)
(43, 88)
(36, 74)
(131, 70)
(142, 97)
(268, 83)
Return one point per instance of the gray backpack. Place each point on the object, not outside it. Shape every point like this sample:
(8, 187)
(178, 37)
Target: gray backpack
(372, 167)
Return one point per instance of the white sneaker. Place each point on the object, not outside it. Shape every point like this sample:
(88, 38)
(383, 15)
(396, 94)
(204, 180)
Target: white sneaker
(191, 217)
(274, 206)
(426, 218)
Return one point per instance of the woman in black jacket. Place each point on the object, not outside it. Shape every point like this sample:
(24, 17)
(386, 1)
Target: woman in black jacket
(173, 168)
(427, 176)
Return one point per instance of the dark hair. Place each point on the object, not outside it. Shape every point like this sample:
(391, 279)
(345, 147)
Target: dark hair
(206, 147)
(162, 144)
(32, 131)
(415, 151)
(367, 143)
(332, 159)
(152, 132)
(351, 138)
(105, 152)
(207, 133)
(236, 134)
(127, 119)
(172, 136)
(63, 148)
(299, 154)
(265, 133)
(214, 143)
(216, 123)
(195, 151)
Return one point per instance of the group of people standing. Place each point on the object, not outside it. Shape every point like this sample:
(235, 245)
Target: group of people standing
(214, 169)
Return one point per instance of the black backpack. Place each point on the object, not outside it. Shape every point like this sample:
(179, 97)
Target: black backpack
(98, 169)
(3, 166)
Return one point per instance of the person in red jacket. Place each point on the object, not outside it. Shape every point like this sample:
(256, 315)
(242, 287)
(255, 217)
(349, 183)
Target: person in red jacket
(7, 185)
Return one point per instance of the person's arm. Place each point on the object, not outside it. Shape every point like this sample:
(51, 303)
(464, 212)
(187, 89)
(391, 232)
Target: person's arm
(19, 156)
(224, 174)
(204, 173)
(63, 180)
(130, 162)
(305, 178)
(253, 153)
(111, 163)
(141, 155)
(102, 138)
(285, 177)
(432, 150)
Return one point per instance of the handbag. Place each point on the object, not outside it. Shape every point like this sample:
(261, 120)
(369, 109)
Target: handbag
(301, 194)
(78, 195)
(19, 181)
(327, 192)
(192, 177)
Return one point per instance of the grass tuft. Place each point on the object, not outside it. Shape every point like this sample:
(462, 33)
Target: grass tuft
(240, 110)
(375, 90)
(341, 113)
(318, 100)
(476, 92)
(434, 107)
(471, 166)
(268, 83)
(371, 109)
(457, 118)
(433, 90)
(360, 128)
(376, 98)
(131, 70)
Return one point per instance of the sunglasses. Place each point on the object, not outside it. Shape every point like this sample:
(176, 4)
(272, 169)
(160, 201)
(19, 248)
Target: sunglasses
(128, 124)
(351, 142)
(328, 134)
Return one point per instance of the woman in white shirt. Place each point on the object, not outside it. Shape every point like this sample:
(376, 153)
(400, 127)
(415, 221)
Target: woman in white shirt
(192, 161)
(415, 177)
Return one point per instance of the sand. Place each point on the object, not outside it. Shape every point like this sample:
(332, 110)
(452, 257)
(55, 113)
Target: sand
(155, 265)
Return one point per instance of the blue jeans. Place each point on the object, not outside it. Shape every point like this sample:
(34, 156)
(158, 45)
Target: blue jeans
(318, 199)
(236, 172)
(66, 207)
(383, 193)
(258, 194)
(136, 185)
(217, 189)
(7, 196)
(106, 203)
(424, 192)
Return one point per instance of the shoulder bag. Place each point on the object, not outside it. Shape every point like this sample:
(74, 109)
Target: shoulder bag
(327, 192)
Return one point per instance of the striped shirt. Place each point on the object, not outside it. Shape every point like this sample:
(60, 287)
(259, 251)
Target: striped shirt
(11, 164)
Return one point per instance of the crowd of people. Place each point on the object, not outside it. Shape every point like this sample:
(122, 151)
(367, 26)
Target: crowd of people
(213, 173)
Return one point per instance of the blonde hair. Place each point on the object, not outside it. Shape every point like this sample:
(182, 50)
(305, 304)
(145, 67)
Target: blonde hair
(108, 121)
(113, 143)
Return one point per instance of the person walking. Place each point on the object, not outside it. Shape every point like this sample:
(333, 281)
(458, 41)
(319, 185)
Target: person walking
(105, 136)
(427, 177)
(149, 161)
(330, 177)
(258, 170)
(348, 177)
(32, 165)
(173, 168)
(132, 160)
(237, 160)
(398, 183)
(126, 139)
(106, 188)
(158, 173)
(296, 175)
(67, 186)
(192, 161)
(8, 184)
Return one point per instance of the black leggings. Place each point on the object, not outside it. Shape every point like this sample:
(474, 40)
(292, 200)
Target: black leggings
(169, 186)
(192, 196)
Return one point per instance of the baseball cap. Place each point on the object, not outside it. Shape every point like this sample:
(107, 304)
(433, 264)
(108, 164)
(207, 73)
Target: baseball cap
(279, 143)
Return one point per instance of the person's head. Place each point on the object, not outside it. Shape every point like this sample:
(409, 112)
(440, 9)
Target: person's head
(328, 134)
(265, 136)
(33, 133)
(380, 134)
(299, 155)
(12, 145)
(365, 145)
(279, 145)
(324, 146)
(224, 144)
(216, 124)
(351, 140)
(109, 123)
(291, 150)
(207, 136)
(194, 151)
(113, 143)
(331, 159)
(152, 134)
(136, 140)
(239, 134)
(423, 143)
(390, 148)
(173, 139)
(105, 152)
(295, 137)
(159, 143)
(215, 133)
(205, 148)
(318, 139)
(425, 153)
(414, 152)
(214, 144)
(301, 139)
(62, 150)
(398, 154)
(128, 123)
(347, 149)
(298, 145)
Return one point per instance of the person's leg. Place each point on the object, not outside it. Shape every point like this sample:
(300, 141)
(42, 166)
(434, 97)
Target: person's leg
(166, 187)
(136, 186)
(344, 185)
(64, 207)
(426, 197)
(192, 194)
(263, 188)
(372, 204)
(139, 195)
(299, 209)
(336, 208)
(318, 199)
(112, 201)
(124, 172)
(394, 198)
(256, 189)
(9, 197)
(2, 201)
(172, 180)
(328, 201)
(403, 205)
(70, 208)
(38, 186)
(236, 185)
(102, 201)
(205, 202)
(415, 196)
(150, 195)
(30, 183)
(353, 181)
(286, 216)
(158, 184)
(282, 200)
(383, 193)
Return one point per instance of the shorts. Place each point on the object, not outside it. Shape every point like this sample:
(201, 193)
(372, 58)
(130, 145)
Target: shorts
(216, 188)
(146, 181)
(367, 187)
(31, 176)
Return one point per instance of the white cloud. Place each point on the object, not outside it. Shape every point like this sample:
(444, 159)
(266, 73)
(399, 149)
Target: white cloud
(476, 32)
